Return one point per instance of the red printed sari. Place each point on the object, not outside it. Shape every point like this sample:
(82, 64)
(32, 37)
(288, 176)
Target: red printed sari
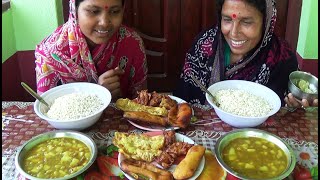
(64, 57)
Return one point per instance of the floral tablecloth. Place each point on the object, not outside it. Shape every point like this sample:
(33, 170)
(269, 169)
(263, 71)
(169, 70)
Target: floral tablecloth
(299, 129)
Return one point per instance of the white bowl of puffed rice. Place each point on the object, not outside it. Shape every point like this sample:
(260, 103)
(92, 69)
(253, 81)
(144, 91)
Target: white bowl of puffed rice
(73, 106)
(241, 103)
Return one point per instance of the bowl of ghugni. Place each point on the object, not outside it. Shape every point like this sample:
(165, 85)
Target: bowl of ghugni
(253, 154)
(243, 104)
(56, 155)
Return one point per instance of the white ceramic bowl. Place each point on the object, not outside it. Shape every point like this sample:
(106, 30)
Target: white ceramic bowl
(76, 87)
(56, 134)
(254, 88)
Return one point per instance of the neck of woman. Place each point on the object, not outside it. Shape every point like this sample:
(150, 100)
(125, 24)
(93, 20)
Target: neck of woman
(91, 45)
(234, 58)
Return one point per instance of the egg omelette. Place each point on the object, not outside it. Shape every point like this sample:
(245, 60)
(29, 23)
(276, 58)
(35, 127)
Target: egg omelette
(139, 146)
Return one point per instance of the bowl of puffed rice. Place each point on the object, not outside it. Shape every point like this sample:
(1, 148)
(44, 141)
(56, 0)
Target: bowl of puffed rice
(73, 106)
(241, 103)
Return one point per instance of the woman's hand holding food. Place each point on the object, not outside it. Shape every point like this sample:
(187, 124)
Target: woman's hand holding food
(111, 80)
(291, 101)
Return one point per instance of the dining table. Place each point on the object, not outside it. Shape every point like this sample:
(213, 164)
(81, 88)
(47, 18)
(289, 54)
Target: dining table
(298, 128)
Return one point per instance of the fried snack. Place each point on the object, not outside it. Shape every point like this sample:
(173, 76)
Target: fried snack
(129, 105)
(145, 169)
(167, 102)
(212, 169)
(139, 146)
(145, 117)
(180, 115)
(174, 150)
(186, 168)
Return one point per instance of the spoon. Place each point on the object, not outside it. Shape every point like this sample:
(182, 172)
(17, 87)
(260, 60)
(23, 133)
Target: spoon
(204, 89)
(34, 94)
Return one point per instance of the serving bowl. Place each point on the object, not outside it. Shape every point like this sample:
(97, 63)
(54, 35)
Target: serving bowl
(226, 139)
(300, 92)
(28, 146)
(258, 90)
(66, 89)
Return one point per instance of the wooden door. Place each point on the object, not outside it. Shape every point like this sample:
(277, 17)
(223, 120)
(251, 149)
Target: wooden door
(156, 23)
(168, 28)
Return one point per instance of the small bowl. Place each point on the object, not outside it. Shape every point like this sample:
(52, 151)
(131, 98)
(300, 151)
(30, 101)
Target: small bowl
(294, 77)
(249, 132)
(56, 134)
(76, 87)
(251, 87)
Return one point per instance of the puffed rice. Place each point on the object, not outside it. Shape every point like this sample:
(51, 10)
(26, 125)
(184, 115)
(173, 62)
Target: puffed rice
(242, 103)
(74, 106)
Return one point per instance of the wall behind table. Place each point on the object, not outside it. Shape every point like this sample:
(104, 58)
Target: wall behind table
(8, 38)
(307, 47)
(24, 25)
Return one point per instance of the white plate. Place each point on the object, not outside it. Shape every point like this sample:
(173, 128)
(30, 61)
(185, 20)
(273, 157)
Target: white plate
(155, 127)
(179, 137)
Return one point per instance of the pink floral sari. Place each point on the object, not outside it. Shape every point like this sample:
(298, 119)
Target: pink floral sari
(64, 57)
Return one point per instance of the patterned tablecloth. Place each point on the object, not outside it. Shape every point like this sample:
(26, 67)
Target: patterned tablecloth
(299, 129)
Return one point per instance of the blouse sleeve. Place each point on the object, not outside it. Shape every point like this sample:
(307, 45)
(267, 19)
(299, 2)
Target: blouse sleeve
(45, 76)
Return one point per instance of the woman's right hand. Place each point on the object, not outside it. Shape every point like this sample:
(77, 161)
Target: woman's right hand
(291, 101)
(111, 80)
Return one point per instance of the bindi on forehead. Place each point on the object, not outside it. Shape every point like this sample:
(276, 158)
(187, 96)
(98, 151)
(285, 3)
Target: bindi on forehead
(234, 16)
(106, 7)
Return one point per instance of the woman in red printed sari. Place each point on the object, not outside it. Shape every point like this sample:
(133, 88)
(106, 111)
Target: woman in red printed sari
(93, 46)
(241, 46)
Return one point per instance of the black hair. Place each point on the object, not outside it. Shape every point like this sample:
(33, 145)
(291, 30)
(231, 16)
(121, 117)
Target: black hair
(260, 5)
(79, 1)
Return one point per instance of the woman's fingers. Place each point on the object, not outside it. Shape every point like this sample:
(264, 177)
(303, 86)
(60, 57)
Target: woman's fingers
(292, 101)
(111, 73)
(315, 102)
(111, 80)
(116, 93)
(305, 103)
(118, 71)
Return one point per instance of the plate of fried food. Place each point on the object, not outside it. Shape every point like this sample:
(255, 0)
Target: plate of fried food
(159, 155)
(155, 111)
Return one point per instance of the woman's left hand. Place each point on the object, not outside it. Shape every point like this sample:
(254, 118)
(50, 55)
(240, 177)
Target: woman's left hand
(291, 101)
(111, 80)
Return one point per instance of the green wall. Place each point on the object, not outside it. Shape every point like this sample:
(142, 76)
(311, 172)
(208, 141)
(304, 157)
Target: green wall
(307, 46)
(27, 22)
(8, 39)
(33, 20)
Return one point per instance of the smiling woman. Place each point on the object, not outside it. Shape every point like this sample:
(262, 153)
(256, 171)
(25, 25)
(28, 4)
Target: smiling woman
(242, 46)
(93, 46)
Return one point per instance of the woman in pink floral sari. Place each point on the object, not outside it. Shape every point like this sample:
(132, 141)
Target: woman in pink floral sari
(93, 46)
